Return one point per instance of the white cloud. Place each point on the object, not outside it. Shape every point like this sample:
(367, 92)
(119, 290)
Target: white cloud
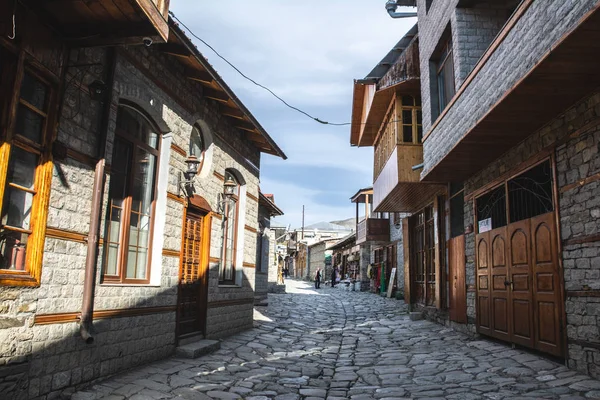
(290, 198)
(308, 52)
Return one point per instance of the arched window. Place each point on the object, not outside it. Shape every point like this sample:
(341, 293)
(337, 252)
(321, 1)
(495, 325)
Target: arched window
(230, 221)
(131, 199)
(197, 145)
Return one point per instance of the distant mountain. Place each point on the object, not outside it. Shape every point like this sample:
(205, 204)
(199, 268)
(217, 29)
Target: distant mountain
(342, 225)
(349, 223)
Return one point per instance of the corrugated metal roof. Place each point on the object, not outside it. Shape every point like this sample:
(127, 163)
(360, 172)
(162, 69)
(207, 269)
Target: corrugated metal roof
(390, 58)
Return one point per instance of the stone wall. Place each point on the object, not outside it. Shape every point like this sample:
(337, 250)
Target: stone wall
(43, 360)
(579, 209)
(397, 238)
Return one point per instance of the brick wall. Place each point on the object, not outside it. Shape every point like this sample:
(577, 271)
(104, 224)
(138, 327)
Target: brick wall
(524, 45)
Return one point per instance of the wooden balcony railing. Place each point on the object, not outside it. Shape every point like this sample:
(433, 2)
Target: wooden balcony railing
(373, 229)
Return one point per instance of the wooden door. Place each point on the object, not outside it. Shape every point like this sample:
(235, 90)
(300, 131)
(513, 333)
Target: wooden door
(192, 288)
(499, 291)
(519, 283)
(457, 284)
(482, 252)
(547, 299)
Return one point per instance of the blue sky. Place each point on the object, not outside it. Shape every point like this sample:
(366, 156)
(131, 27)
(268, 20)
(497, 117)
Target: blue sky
(308, 52)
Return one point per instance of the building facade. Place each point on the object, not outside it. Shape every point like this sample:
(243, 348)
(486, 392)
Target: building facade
(130, 197)
(506, 244)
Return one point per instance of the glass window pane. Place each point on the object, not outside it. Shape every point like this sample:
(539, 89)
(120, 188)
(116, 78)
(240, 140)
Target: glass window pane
(407, 134)
(111, 260)
(13, 248)
(21, 169)
(142, 261)
(419, 134)
(196, 143)
(34, 92)
(143, 182)
(407, 117)
(131, 263)
(135, 125)
(419, 117)
(16, 210)
(29, 124)
(115, 225)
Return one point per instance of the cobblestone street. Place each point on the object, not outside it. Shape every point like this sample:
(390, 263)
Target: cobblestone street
(336, 344)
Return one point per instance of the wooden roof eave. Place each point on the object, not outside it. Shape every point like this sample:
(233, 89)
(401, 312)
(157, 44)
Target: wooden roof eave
(359, 197)
(409, 197)
(357, 111)
(380, 105)
(269, 205)
(219, 91)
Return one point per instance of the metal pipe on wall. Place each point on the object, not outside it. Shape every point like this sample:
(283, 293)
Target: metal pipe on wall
(86, 328)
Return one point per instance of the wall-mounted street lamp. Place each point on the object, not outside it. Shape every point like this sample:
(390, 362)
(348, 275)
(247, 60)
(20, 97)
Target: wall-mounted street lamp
(229, 187)
(187, 185)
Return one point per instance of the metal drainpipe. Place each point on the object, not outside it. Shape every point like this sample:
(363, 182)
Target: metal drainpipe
(86, 328)
(391, 6)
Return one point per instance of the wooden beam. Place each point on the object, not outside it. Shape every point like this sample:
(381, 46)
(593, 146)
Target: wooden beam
(216, 95)
(245, 126)
(232, 112)
(174, 49)
(199, 76)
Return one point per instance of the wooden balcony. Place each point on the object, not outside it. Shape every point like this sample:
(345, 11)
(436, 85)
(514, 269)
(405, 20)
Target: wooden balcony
(397, 187)
(515, 90)
(372, 95)
(105, 22)
(373, 230)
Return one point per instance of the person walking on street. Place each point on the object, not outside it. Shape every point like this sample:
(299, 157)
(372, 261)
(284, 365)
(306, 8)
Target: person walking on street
(333, 276)
(318, 279)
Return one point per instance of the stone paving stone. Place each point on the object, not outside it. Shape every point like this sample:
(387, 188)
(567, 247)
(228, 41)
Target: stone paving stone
(334, 344)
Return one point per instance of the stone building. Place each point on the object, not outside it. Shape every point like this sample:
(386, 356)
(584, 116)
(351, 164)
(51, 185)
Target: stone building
(266, 252)
(509, 132)
(316, 254)
(129, 182)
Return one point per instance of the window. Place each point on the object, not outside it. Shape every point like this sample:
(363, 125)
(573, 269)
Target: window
(525, 196)
(442, 69)
(27, 169)
(130, 211)
(457, 209)
(230, 221)
(197, 146)
(411, 119)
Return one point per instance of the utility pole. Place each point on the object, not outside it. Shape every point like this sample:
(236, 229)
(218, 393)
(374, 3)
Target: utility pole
(302, 222)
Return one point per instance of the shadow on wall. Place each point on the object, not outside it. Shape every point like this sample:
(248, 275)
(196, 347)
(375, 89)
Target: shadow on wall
(60, 360)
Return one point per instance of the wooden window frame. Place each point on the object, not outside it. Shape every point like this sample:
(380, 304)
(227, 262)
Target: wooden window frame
(414, 109)
(124, 232)
(12, 76)
(236, 198)
(446, 54)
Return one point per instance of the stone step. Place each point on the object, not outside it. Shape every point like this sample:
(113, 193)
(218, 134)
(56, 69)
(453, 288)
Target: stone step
(415, 316)
(197, 349)
(190, 338)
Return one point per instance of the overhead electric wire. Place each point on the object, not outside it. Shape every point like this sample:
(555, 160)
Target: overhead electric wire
(252, 80)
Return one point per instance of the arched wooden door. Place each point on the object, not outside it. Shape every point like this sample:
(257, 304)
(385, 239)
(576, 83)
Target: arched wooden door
(193, 274)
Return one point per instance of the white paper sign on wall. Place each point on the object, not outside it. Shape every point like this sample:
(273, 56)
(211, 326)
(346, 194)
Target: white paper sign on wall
(485, 225)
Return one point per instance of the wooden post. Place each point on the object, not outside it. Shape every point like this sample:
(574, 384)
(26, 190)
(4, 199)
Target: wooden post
(437, 252)
(406, 245)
